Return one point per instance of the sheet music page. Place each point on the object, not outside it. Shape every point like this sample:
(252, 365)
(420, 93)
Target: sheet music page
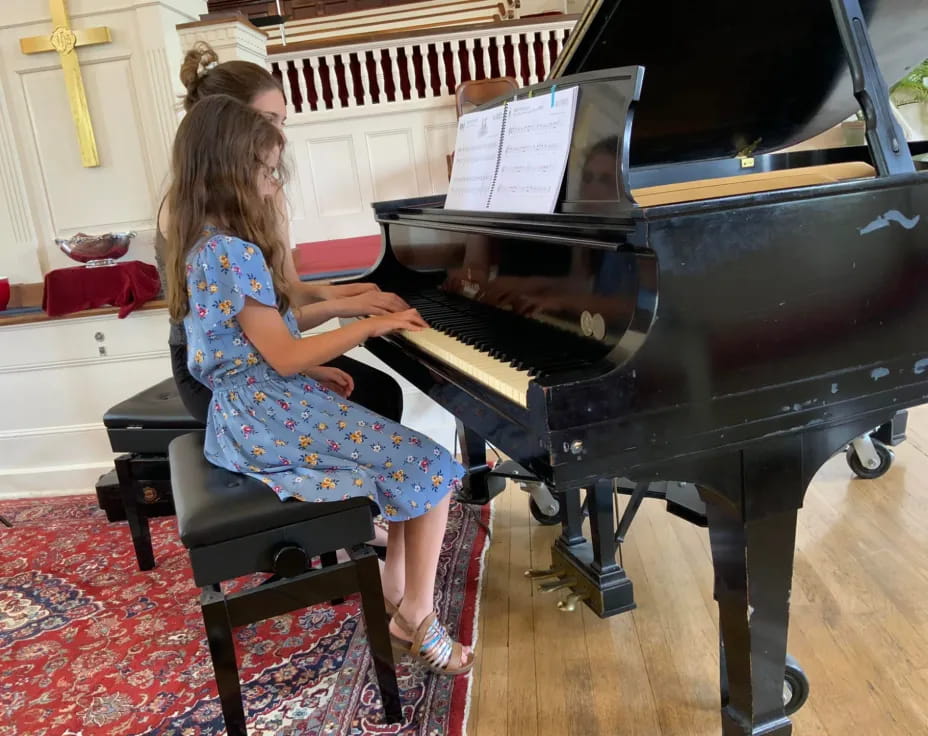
(536, 142)
(476, 152)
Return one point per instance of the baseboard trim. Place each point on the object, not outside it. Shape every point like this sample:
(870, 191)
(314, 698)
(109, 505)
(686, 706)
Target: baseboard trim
(42, 494)
(12, 434)
(55, 480)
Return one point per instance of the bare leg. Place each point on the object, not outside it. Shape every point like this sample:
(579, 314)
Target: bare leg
(380, 536)
(393, 575)
(423, 538)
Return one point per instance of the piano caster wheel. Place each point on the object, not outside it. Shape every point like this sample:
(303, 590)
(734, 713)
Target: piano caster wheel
(541, 574)
(795, 686)
(869, 458)
(541, 517)
(569, 604)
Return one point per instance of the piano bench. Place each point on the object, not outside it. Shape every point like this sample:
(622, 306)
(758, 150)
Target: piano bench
(142, 427)
(233, 525)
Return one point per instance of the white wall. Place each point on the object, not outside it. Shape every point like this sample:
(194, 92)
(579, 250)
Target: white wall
(533, 7)
(130, 86)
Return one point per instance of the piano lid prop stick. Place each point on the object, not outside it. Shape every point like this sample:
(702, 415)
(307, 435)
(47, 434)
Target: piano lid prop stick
(283, 31)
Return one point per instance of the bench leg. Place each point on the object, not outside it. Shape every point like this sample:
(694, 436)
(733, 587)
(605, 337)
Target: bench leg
(378, 635)
(138, 521)
(328, 559)
(222, 654)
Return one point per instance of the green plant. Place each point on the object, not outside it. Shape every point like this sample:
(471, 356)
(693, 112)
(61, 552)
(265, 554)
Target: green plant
(911, 88)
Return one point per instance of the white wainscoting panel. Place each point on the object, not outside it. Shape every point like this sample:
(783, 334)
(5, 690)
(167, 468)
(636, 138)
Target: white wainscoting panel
(334, 171)
(57, 385)
(344, 160)
(440, 143)
(392, 161)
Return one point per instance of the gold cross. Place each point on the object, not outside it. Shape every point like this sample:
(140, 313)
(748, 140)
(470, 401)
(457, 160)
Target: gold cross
(64, 40)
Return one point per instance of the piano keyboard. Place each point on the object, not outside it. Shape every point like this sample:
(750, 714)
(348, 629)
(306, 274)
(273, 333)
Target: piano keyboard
(490, 372)
(499, 349)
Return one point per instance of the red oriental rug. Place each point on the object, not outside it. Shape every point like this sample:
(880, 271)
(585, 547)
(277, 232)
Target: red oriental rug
(89, 645)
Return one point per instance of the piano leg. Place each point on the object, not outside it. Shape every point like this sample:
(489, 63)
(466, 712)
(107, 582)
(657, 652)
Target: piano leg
(572, 524)
(754, 566)
(753, 496)
(752, 500)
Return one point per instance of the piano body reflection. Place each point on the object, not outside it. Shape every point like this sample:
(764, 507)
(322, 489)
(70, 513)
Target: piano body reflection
(698, 307)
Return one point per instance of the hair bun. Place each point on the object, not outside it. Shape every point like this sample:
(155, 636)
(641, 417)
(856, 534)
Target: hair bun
(197, 62)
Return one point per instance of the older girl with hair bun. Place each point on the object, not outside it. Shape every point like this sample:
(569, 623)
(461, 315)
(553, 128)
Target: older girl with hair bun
(313, 303)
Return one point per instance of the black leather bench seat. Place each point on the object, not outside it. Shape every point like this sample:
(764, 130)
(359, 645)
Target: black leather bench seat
(215, 506)
(147, 422)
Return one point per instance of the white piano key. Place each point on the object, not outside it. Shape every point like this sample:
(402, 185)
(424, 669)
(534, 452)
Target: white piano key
(494, 374)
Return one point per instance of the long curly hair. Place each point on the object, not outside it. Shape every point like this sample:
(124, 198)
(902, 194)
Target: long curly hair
(220, 153)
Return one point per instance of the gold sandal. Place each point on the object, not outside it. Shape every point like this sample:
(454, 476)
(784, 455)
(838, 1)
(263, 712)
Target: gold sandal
(391, 607)
(431, 645)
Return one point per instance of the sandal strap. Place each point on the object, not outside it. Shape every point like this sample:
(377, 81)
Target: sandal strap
(433, 644)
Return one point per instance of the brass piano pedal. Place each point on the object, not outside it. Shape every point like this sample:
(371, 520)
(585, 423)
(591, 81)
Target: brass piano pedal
(541, 574)
(569, 604)
(558, 584)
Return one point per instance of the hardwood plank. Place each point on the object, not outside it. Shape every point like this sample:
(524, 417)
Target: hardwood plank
(523, 648)
(490, 687)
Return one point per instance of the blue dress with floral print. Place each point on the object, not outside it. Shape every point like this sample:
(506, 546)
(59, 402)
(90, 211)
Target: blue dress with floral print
(292, 433)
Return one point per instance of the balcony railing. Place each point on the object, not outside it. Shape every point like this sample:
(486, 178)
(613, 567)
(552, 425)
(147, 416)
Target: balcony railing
(377, 70)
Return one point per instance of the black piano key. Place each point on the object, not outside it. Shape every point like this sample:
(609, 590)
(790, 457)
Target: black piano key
(505, 336)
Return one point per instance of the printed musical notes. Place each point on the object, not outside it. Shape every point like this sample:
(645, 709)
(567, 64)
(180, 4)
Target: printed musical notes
(476, 155)
(536, 142)
(512, 158)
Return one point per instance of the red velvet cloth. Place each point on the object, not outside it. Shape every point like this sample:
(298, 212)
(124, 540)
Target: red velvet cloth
(126, 285)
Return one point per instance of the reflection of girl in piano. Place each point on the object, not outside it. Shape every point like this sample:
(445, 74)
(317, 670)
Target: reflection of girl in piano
(278, 414)
(532, 278)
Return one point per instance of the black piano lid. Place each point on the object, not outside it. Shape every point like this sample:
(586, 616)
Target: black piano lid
(723, 76)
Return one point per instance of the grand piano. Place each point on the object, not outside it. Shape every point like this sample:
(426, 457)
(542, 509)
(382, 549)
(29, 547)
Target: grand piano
(699, 308)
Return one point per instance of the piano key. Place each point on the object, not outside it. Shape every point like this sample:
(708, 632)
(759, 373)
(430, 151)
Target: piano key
(507, 338)
(499, 376)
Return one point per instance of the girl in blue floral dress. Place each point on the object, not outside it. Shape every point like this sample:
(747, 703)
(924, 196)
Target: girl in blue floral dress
(277, 413)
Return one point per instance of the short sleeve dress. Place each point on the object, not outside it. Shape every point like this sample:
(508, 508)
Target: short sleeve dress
(302, 440)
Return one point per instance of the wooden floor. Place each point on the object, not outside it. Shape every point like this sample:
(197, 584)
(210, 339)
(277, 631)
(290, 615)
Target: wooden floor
(859, 623)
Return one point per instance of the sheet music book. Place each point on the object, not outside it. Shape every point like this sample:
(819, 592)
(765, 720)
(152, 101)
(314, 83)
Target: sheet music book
(512, 158)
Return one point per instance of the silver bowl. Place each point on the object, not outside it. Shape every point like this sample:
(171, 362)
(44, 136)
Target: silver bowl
(96, 250)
